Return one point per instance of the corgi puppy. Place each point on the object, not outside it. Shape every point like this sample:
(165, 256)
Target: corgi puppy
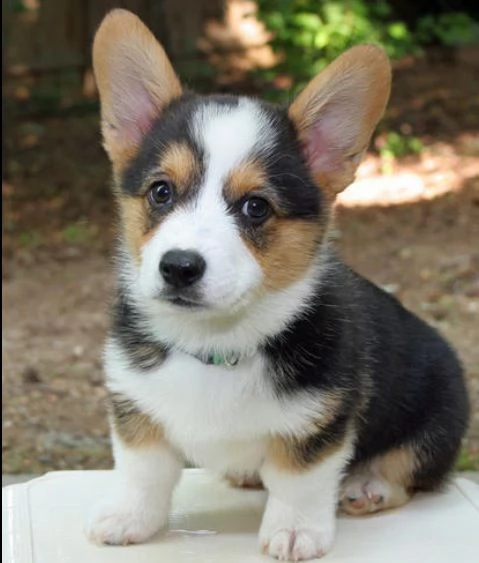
(239, 340)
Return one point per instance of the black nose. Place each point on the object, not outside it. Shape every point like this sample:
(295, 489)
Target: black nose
(181, 268)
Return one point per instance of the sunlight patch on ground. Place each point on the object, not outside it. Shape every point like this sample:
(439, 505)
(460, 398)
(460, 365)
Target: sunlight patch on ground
(440, 169)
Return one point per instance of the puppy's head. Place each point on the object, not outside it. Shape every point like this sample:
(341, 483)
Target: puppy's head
(224, 198)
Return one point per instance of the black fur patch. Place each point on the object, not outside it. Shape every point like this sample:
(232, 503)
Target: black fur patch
(143, 352)
(122, 408)
(404, 383)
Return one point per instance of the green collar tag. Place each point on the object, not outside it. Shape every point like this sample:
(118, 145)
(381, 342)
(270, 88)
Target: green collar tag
(219, 360)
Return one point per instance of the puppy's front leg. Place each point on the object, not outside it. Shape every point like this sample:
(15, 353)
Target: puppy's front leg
(146, 471)
(299, 520)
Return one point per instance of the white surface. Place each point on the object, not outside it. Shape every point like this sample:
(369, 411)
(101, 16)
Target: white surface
(210, 522)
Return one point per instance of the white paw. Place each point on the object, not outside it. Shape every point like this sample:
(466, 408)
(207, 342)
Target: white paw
(294, 545)
(289, 535)
(120, 521)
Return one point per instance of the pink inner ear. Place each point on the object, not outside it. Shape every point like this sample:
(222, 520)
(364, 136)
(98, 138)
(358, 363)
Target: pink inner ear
(325, 142)
(133, 111)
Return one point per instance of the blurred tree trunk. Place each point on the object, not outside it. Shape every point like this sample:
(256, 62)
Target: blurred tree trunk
(178, 24)
(185, 21)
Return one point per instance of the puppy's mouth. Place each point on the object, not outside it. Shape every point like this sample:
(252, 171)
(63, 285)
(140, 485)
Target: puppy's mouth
(185, 303)
(193, 300)
(182, 300)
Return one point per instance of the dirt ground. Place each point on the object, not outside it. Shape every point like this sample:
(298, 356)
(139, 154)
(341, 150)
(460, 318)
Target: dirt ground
(413, 230)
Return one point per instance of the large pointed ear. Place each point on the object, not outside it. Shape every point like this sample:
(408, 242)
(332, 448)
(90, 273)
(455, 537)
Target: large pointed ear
(135, 80)
(335, 115)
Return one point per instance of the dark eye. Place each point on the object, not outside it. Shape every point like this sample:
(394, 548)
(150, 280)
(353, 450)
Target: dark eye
(160, 193)
(256, 209)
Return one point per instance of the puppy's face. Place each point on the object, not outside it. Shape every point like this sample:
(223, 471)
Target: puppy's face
(225, 198)
(224, 206)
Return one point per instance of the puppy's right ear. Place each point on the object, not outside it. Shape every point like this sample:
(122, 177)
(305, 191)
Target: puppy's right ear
(135, 80)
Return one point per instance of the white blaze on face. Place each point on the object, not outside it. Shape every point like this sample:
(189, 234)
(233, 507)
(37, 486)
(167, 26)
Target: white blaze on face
(227, 135)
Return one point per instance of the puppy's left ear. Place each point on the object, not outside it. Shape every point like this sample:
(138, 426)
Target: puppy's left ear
(335, 115)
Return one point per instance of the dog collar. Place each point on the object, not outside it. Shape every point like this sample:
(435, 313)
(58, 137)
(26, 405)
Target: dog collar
(213, 359)
(229, 361)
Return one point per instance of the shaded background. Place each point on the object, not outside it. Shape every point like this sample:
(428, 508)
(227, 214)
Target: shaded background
(410, 222)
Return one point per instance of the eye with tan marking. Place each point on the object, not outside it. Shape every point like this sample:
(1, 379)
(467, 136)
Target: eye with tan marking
(256, 209)
(160, 193)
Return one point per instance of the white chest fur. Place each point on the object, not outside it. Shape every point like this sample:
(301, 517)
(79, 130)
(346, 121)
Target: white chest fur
(219, 417)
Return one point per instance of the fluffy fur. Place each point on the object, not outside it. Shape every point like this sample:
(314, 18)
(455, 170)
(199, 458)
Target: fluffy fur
(337, 396)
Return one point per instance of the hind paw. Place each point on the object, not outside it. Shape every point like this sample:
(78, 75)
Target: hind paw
(362, 496)
(367, 493)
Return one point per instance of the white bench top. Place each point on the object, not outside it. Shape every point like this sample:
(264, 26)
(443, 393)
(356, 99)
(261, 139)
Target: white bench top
(211, 522)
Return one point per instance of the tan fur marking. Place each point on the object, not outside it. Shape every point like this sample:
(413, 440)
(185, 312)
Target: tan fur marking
(134, 218)
(287, 457)
(245, 481)
(287, 452)
(135, 428)
(397, 466)
(290, 247)
(246, 177)
(179, 163)
(290, 244)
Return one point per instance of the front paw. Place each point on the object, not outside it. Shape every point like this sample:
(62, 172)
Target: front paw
(121, 521)
(289, 535)
(294, 545)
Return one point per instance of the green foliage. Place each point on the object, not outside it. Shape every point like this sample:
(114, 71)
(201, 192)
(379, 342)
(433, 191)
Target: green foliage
(396, 145)
(77, 234)
(18, 6)
(450, 29)
(393, 145)
(30, 240)
(468, 461)
(310, 33)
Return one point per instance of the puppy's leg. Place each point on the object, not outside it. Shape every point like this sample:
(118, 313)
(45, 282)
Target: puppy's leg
(383, 483)
(146, 471)
(299, 520)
